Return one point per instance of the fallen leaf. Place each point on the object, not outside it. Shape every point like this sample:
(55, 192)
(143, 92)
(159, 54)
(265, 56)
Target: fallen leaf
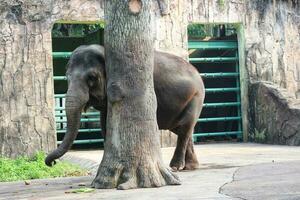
(27, 182)
(83, 190)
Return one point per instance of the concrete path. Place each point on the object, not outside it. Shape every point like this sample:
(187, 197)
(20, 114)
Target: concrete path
(266, 181)
(228, 171)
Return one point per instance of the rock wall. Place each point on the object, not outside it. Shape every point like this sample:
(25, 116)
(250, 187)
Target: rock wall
(26, 84)
(272, 36)
(273, 43)
(269, 31)
(274, 114)
(171, 30)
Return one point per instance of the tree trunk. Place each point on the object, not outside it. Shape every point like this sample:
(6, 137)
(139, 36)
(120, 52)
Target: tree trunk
(132, 156)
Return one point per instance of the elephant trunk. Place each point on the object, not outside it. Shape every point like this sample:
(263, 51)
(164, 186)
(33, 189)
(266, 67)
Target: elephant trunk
(74, 106)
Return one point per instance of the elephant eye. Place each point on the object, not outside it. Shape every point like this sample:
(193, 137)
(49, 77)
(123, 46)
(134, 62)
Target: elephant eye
(91, 80)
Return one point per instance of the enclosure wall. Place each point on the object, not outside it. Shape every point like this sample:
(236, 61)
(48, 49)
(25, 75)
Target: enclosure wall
(26, 76)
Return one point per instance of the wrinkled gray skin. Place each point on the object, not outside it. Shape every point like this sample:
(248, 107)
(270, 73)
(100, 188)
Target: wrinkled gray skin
(179, 90)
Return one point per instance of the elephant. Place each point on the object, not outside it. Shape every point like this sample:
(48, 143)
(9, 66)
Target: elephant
(178, 87)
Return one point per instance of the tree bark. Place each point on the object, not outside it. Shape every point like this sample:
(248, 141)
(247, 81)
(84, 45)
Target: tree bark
(132, 156)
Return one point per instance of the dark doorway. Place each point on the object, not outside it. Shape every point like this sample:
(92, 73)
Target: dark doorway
(213, 50)
(65, 38)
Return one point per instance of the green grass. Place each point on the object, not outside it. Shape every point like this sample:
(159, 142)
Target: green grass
(24, 168)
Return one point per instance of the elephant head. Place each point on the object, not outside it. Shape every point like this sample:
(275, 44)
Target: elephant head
(86, 86)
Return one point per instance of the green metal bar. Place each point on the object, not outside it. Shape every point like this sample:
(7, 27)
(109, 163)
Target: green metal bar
(219, 45)
(218, 119)
(60, 114)
(64, 55)
(217, 133)
(212, 59)
(240, 136)
(212, 45)
(215, 90)
(219, 75)
(81, 120)
(59, 95)
(60, 78)
(81, 130)
(83, 114)
(226, 104)
(91, 114)
(60, 108)
(91, 141)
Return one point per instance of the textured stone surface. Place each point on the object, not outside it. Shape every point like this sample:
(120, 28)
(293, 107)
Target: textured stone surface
(273, 54)
(273, 43)
(275, 115)
(26, 84)
(26, 99)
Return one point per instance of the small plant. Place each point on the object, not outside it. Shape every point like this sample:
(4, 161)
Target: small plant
(24, 168)
(196, 31)
(260, 136)
(75, 30)
(221, 4)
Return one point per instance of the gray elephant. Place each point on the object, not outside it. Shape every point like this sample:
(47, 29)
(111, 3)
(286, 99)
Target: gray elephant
(179, 90)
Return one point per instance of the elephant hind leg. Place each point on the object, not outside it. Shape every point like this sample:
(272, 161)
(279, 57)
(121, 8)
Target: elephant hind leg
(191, 161)
(184, 156)
(178, 160)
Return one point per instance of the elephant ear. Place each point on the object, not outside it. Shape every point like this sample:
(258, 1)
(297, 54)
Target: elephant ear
(99, 80)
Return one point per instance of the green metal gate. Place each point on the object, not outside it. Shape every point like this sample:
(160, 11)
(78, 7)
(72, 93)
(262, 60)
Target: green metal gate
(218, 64)
(90, 131)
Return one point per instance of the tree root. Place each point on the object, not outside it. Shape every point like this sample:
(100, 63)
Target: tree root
(124, 178)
